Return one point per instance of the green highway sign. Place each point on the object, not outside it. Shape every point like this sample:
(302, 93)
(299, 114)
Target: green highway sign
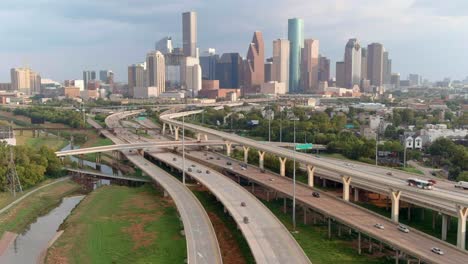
(304, 146)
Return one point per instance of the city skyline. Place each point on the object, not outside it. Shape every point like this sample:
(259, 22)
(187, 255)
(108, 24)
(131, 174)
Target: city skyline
(101, 45)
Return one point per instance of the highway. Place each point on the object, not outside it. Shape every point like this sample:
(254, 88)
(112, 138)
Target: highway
(414, 243)
(202, 243)
(268, 239)
(438, 199)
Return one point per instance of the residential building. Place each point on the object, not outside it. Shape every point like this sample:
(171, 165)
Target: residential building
(352, 63)
(296, 43)
(310, 66)
(280, 66)
(25, 80)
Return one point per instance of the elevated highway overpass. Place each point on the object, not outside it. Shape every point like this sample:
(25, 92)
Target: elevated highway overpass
(448, 202)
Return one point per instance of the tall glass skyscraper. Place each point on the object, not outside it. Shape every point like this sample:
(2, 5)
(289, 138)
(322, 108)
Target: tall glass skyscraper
(296, 41)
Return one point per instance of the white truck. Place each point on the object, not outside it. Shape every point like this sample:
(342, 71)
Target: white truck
(462, 184)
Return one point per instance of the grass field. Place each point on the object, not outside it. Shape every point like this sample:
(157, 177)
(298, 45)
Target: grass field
(315, 243)
(411, 169)
(116, 224)
(18, 218)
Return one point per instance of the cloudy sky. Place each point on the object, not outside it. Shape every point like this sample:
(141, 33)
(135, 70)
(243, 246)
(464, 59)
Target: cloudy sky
(60, 38)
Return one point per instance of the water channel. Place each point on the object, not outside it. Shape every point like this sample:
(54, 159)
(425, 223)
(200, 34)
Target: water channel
(27, 247)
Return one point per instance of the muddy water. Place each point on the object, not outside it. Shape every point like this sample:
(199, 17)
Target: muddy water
(28, 246)
(101, 167)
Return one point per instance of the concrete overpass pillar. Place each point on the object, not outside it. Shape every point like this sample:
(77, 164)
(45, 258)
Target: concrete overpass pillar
(163, 129)
(261, 159)
(356, 194)
(282, 166)
(461, 234)
(444, 227)
(98, 158)
(140, 152)
(205, 137)
(246, 154)
(395, 196)
(310, 173)
(198, 136)
(228, 148)
(176, 133)
(171, 130)
(346, 182)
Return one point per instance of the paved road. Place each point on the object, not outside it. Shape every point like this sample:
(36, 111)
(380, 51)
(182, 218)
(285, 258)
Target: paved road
(202, 244)
(414, 243)
(268, 239)
(366, 173)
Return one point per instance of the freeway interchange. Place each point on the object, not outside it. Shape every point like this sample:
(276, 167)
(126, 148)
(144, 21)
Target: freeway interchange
(443, 199)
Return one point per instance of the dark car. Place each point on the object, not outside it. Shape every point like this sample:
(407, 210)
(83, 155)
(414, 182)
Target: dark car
(228, 163)
(316, 194)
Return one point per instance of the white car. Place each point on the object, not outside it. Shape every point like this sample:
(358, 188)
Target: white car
(379, 226)
(403, 228)
(438, 251)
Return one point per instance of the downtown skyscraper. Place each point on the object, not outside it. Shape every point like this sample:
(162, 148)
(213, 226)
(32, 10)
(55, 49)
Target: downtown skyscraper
(190, 72)
(156, 71)
(254, 65)
(296, 43)
(310, 66)
(280, 66)
(375, 63)
(189, 34)
(352, 64)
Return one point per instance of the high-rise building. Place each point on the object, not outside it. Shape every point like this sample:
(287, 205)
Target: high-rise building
(363, 63)
(208, 62)
(136, 77)
(87, 77)
(375, 64)
(104, 76)
(25, 80)
(324, 69)
(340, 74)
(189, 34)
(352, 60)
(296, 43)
(310, 66)
(268, 70)
(191, 74)
(414, 79)
(156, 71)
(395, 80)
(254, 65)
(280, 67)
(229, 70)
(174, 63)
(387, 68)
(164, 45)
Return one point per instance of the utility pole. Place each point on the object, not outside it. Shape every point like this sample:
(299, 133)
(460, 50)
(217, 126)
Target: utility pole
(294, 178)
(183, 150)
(13, 183)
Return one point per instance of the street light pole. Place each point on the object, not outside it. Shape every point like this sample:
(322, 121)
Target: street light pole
(183, 150)
(294, 179)
(281, 126)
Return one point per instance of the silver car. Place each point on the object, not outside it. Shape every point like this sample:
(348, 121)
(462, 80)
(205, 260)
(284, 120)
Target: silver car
(438, 251)
(403, 228)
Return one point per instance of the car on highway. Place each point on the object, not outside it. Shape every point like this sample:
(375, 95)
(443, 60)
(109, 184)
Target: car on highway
(243, 204)
(462, 184)
(193, 165)
(316, 194)
(389, 173)
(207, 172)
(198, 171)
(403, 228)
(246, 220)
(228, 163)
(243, 168)
(174, 159)
(218, 158)
(379, 226)
(190, 169)
(437, 250)
(262, 170)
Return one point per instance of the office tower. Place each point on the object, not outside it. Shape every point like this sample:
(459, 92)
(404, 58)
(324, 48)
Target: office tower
(174, 63)
(363, 63)
(414, 79)
(280, 67)
(208, 62)
(25, 80)
(136, 76)
(164, 45)
(296, 43)
(340, 74)
(156, 71)
(268, 70)
(324, 69)
(375, 64)
(352, 60)
(395, 81)
(104, 76)
(310, 66)
(254, 65)
(386, 68)
(191, 74)
(87, 77)
(189, 34)
(229, 70)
